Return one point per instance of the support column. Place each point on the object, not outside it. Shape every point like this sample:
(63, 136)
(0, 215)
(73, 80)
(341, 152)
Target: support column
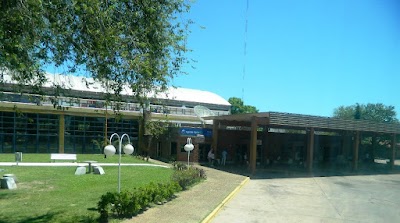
(253, 145)
(265, 146)
(355, 150)
(393, 148)
(61, 133)
(373, 148)
(344, 145)
(215, 137)
(140, 139)
(310, 149)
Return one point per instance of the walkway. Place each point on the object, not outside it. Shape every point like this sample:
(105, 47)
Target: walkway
(287, 197)
(365, 198)
(195, 204)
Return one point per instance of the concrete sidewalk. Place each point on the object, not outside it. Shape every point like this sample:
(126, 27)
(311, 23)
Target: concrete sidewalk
(195, 204)
(364, 198)
(198, 203)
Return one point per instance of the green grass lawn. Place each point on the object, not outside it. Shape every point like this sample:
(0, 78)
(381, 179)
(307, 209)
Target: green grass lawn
(43, 158)
(55, 194)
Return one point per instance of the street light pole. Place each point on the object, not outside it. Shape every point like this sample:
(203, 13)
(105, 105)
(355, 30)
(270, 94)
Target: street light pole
(109, 150)
(188, 147)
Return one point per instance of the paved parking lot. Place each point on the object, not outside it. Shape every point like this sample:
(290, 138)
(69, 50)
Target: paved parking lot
(364, 198)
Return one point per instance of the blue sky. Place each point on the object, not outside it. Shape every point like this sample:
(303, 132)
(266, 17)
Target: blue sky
(305, 57)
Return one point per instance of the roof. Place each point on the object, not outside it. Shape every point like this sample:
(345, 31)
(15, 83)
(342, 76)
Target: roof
(289, 120)
(80, 83)
(193, 95)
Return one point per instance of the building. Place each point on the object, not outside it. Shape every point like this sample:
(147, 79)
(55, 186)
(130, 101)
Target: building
(80, 122)
(80, 119)
(269, 138)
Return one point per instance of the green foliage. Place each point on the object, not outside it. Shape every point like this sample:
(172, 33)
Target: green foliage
(238, 106)
(357, 112)
(105, 204)
(137, 43)
(186, 177)
(373, 112)
(20, 35)
(156, 128)
(179, 166)
(128, 204)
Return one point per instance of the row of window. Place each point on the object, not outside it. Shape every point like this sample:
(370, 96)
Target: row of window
(39, 133)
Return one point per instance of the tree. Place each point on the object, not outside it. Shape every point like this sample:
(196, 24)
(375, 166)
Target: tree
(357, 113)
(133, 44)
(238, 107)
(152, 129)
(373, 112)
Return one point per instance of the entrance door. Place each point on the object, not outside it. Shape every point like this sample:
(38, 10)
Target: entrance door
(203, 151)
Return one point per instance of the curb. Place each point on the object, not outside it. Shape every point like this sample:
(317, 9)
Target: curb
(230, 196)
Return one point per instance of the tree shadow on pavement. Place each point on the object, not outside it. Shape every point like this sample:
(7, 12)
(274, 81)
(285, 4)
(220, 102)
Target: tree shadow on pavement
(293, 171)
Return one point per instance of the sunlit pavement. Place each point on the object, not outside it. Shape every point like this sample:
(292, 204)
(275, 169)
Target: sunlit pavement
(363, 198)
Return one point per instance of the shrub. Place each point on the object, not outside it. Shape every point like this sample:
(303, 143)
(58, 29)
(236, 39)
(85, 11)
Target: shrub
(170, 190)
(124, 205)
(128, 204)
(172, 159)
(105, 204)
(186, 177)
(179, 166)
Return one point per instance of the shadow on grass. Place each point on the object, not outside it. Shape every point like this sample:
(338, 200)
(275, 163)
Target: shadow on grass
(92, 209)
(9, 195)
(49, 217)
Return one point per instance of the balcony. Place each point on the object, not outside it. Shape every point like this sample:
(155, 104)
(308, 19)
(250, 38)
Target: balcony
(66, 102)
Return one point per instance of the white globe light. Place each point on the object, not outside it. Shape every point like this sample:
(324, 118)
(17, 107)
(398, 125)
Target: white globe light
(109, 150)
(188, 147)
(128, 149)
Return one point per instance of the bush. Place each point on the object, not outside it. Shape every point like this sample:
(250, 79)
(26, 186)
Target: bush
(179, 166)
(124, 205)
(186, 177)
(104, 206)
(128, 204)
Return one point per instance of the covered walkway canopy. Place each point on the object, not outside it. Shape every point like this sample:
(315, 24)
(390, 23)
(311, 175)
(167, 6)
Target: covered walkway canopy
(303, 122)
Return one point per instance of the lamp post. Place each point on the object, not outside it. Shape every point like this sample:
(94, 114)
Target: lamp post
(188, 147)
(109, 150)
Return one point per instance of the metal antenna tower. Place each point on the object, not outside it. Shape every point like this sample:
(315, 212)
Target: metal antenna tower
(245, 47)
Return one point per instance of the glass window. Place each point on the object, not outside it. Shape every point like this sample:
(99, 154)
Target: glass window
(174, 148)
(28, 132)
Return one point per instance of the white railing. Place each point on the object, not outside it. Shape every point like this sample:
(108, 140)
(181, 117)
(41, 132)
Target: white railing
(99, 104)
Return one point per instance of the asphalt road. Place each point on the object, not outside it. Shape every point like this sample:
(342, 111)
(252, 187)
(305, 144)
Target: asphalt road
(364, 198)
